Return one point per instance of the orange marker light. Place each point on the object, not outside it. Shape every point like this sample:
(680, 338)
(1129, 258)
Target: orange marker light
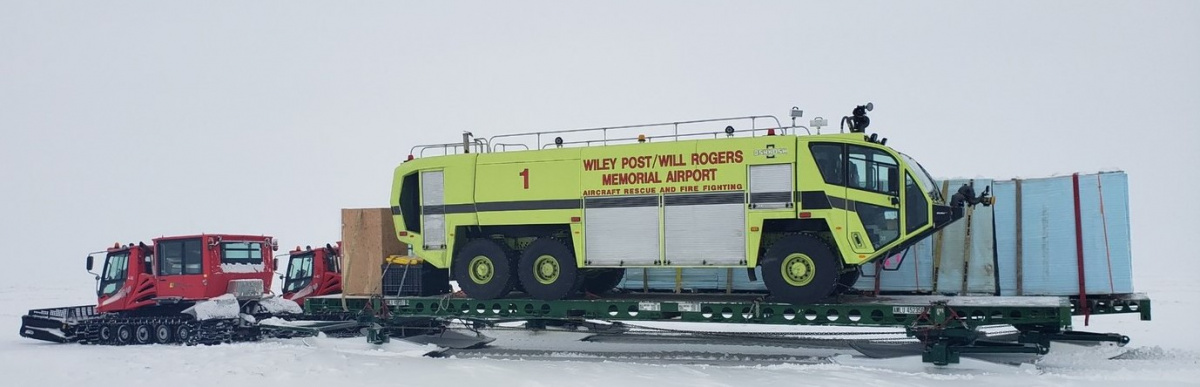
(753, 229)
(805, 215)
(403, 233)
(575, 219)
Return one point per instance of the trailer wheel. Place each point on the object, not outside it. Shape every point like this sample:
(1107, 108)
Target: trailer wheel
(600, 281)
(141, 334)
(483, 270)
(547, 270)
(124, 334)
(162, 333)
(801, 269)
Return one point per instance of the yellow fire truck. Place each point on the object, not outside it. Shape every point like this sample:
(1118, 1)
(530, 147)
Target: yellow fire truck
(571, 215)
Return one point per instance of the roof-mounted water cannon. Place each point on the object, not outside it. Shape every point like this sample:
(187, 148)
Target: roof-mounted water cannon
(858, 120)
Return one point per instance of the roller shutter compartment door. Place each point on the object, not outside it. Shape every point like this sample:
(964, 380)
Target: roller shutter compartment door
(771, 186)
(433, 210)
(621, 231)
(705, 229)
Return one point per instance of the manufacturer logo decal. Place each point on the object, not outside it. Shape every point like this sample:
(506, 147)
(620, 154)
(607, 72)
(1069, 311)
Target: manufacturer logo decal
(770, 151)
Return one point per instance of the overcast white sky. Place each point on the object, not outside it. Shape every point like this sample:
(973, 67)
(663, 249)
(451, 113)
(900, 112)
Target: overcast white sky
(122, 121)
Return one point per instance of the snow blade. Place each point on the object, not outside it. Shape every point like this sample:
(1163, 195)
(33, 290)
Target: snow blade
(42, 328)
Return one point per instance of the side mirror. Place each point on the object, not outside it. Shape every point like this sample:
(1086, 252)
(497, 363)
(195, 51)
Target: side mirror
(274, 264)
(90, 261)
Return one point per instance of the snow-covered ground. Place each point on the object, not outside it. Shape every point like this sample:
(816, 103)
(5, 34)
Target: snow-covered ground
(1164, 351)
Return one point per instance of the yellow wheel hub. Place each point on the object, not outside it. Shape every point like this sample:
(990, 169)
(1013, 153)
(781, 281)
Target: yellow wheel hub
(480, 270)
(798, 269)
(545, 270)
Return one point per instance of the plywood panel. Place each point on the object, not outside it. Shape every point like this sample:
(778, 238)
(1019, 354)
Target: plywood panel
(368, 236)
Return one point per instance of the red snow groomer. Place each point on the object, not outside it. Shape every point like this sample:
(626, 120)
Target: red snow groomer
(313, 272)
(206, 289)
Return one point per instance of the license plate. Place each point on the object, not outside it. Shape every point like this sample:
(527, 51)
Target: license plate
(908, 309)
(649, 306)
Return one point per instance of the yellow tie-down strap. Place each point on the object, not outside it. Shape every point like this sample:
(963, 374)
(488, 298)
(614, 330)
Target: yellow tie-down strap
(404, 260)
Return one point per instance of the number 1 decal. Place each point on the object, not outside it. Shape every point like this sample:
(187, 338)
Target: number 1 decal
(525, 174)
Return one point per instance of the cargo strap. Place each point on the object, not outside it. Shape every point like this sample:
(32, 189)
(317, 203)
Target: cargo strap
(1104, 222)
(1083, 304)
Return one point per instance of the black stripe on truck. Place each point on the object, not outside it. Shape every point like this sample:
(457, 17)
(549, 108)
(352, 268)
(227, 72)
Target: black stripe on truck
(771, 197)
(526, 205)
(621, 202)
(704, 198)
(814, 200)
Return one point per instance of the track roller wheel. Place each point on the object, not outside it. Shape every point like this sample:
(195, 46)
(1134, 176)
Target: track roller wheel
(124, 334)
(162, 333)
(801, 269)
(142, 334)
(601, 281)
(107, 334)
(483, 270)
(548, 270)
(183, 334)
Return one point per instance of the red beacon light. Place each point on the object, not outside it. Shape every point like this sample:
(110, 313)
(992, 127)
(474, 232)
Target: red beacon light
(770, 132)
(410, 157)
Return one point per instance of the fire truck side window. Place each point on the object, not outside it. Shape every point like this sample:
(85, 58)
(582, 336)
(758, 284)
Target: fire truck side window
(180, 257)
(829, 160)
(241, 253)
(870, 169)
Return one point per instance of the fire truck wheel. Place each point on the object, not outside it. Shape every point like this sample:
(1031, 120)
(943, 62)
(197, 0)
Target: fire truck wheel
(124, 334)
(600, 281)
(483, 270)
(548, 271)
(800, 269)
(141, 334)
(162, 333)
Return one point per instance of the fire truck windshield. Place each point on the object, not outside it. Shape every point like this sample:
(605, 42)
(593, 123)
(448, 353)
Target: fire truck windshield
(925, 178)
(300, 272)
(116, 267)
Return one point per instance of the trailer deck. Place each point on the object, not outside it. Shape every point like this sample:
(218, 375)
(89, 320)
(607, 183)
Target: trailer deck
(947, 325)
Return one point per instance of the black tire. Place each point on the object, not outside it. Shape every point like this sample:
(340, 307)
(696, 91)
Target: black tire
(162, 333)
(601, 281)
(814, 269)
(124, 334)
(548, 270)
(846, 280)
(483, 270)
(142, 334)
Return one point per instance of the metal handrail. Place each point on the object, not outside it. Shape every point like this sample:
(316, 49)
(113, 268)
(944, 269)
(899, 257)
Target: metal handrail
(604, 129)
(676, 136)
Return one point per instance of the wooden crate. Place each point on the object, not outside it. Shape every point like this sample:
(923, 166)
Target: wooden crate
(368, 237)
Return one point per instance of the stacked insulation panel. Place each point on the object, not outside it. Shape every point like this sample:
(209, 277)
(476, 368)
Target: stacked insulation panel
(1025, 244)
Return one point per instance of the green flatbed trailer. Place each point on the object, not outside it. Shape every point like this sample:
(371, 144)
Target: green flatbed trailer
(946, 325)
